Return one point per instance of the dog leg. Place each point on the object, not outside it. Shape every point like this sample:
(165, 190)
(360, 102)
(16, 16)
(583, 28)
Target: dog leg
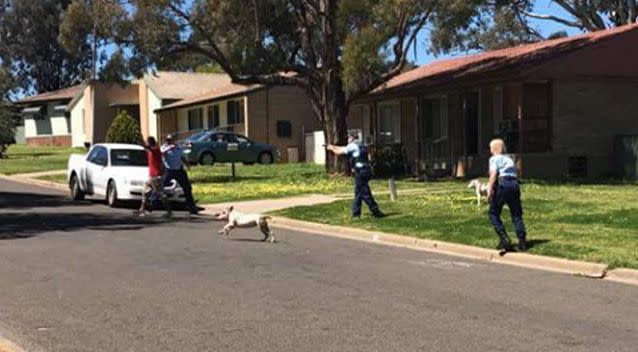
(265, 230)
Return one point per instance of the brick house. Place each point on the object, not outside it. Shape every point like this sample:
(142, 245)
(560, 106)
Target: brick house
(78, 114)
(276, 115)
(559, 104)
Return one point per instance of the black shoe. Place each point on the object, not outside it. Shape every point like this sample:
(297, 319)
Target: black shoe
(194, 211)
(522, 245)
(356, 216)
(378, 215)
(504, 245)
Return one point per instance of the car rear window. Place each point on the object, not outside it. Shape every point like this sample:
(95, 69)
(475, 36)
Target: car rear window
(128, 157)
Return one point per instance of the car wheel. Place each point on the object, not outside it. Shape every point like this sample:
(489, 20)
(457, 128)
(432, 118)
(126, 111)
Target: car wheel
(111, 195)
(266, 158)
(76, 191)
(207, 159)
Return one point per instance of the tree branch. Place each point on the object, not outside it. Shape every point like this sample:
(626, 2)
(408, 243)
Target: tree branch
(553, 18)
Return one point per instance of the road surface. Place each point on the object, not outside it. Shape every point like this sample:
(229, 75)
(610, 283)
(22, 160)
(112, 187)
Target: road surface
(83, 277)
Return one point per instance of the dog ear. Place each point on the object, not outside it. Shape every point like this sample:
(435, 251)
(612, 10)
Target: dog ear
(231, 208)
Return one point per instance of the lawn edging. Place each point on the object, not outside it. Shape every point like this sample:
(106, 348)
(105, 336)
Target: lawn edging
(36, 182)
(625, 276)
(558, 265)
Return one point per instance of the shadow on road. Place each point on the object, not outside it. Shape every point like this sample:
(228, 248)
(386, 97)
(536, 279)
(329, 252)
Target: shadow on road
(22, 200)
(25, 225)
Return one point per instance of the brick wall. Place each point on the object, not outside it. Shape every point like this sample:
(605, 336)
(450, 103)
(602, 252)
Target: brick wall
(52, 141)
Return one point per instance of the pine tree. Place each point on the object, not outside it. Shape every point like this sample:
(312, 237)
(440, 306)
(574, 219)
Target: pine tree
(124, 129)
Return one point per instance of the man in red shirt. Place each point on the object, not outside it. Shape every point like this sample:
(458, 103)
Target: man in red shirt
(153, 188)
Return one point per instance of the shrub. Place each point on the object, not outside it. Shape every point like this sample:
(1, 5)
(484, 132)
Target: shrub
(124, 129)
(7, 128)
(389, 161)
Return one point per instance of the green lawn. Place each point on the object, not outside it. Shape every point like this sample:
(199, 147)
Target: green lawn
(214, 184)
(24, 159)
(596, 223)
(54, 178)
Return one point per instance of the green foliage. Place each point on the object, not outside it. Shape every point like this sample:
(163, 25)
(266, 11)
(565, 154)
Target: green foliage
(29, 36)
(389, 161)
(124, 129)
(7, 127)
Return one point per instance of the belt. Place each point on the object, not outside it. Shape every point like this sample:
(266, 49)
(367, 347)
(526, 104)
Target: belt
(508, 178)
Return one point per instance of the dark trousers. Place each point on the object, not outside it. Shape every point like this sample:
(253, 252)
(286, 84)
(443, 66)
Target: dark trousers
(362, 192)
(507, 192)
(182, 179)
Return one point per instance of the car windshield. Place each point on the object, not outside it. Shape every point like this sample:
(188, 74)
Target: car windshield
(198, 137)
(128, 157)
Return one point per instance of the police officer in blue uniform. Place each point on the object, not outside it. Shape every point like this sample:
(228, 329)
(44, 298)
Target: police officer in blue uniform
(503, 188)
(360, 164)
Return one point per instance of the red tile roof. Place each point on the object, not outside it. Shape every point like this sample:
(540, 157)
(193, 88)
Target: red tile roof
(218, 93)
(60, 94)
(491, 61)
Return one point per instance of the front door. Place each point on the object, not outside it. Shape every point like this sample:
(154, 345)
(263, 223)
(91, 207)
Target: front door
(95, 175)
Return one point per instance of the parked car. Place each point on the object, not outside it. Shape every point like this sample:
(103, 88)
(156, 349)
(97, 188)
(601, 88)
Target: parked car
(210, 147)
(115, 171)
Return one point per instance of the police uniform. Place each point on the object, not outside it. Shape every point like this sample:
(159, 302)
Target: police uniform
(360, 165)
(506, 191)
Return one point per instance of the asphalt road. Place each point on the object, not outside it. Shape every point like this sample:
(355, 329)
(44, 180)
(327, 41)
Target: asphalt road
(83, 277)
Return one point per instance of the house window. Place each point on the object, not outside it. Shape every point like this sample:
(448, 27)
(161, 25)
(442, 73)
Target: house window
(43, 125)
(435, 118)
(235, 112)
(195, 119)
(213, 117)
(67, 118)
(390, 123)
(284, 129)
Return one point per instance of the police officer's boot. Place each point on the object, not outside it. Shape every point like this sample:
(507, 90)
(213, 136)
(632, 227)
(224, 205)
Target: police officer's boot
(522, 244)
(505, 244)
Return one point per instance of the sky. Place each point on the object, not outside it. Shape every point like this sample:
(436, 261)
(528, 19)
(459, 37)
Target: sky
(545, 27)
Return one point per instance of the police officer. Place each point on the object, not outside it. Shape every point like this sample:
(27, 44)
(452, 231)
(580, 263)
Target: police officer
(503, 188)
(360, 164)
(174, 162)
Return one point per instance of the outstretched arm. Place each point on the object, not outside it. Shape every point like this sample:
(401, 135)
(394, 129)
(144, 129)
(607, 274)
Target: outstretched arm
(337, 150)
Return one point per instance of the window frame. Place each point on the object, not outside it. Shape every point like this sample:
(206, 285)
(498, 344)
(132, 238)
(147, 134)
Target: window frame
(200, 119)
(396, 122)
(281, 124)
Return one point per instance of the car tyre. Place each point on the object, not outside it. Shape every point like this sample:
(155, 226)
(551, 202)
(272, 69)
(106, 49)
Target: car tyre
(207, 158)
(111, 195)
(265, 158)
(76, 191)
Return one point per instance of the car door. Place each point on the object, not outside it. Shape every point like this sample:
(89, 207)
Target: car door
(233, 153)
(96, 170)
(246, 152)
(219, 145)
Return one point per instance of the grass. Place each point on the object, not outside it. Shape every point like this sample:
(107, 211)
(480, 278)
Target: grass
(212, 184)
(597, 223)
(24, 159)
(54, 178)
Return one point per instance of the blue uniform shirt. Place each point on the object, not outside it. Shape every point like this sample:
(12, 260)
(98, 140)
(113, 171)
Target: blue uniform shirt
(172, 157)
(353, 150)
(503, 166)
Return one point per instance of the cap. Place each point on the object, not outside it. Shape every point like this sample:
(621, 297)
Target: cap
(353, 134)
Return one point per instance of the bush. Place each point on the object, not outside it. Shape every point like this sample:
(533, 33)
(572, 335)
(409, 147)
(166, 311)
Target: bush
(7, 128)
(389, 161)
(124, 129)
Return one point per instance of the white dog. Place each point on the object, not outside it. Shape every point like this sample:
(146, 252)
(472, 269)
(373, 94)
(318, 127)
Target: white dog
(237, 219)
(479, 188)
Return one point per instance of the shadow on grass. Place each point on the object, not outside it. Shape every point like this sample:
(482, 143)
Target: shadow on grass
(536, 242)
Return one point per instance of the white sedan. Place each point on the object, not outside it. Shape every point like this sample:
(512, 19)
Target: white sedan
(115, 171)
